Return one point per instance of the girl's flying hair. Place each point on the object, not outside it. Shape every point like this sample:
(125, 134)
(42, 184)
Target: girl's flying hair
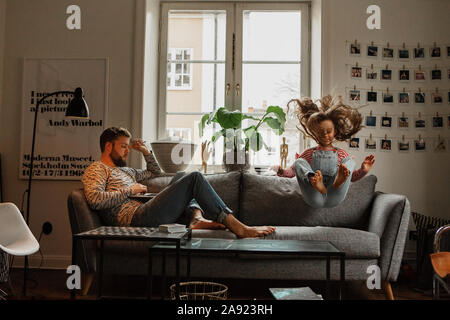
(347, 120)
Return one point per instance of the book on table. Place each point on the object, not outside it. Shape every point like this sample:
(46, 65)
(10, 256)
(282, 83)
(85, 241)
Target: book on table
(172, 228)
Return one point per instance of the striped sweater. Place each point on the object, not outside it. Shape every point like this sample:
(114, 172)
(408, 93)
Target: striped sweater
(108, 189)
(307, 155)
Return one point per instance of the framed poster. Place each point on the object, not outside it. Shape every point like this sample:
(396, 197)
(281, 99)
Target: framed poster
(64, 147)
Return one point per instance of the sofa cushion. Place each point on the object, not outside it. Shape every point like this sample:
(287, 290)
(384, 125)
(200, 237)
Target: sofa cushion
(271, 200)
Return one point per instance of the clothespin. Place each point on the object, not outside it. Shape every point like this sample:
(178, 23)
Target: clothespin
(420, 136)
(403, 137)
(435, 66)
(385, 114)
(403, 67)
(419, 90)
(370, 136)
(387, 90)
(370, 112)
(356, 63)
(388, 45)
(437, 114)
(403, 90)
(434, 44)
(356, 42)
(403, 114)
(437, 90)
(371, 88)
(371, 66)
(418, 45)
(420, 67)
(385, 137)
(420, 115)
(387, 66)
(371, 43)
(403, 45)
(354, 87)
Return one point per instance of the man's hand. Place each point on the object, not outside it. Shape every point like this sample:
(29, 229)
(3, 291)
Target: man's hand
(368, 163)
(138, 188)
(139, 145)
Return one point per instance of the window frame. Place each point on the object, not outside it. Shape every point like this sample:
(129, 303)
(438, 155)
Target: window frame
(184, 62)
(234, 26)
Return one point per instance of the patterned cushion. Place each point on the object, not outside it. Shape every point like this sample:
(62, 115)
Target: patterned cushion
(271, 200)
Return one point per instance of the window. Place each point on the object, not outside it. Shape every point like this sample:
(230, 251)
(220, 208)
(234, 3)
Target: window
(179, 72)
(247, 56)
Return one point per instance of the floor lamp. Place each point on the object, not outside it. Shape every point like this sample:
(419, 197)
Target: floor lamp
(77, 108)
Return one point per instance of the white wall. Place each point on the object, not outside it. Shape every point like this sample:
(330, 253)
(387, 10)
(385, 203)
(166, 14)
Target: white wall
(2, 43)
(38, 29)
(423, 177)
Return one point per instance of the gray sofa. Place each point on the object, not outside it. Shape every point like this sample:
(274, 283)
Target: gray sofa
(369, 226)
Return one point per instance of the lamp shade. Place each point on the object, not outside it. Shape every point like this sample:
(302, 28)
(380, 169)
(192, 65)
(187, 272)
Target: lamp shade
(78, 107)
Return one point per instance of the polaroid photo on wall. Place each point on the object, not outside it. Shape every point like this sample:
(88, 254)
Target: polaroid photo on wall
(403, 75)
(436, 74)
(372, 51)
(436, 98)
(354, 143)
(386, 74)
(386, 145)
(419, 97)
(355, 95)
(435, 52)
(356, 73)
(388, 97)
(419, 53)
(403, 145)
(386, 122)
(438, 122)
(370, 144)
(388, 54)
(419, 75)
(403, 97)
(371, 74)
(420, 123)
(419, 145)
(439, 145)
(403, 122)
(403, 54)
(371, 121)
(372, 96)
(355, 49)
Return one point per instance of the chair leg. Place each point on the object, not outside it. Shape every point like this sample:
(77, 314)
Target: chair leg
(87, 282)
(387, 289)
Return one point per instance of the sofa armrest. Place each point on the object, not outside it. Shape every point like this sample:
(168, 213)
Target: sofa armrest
(82, 218)
(389, 219)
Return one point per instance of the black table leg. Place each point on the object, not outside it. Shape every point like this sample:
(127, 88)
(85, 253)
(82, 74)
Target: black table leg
(327, 292)
(100, 270)
(150, 274)
(342, 284)
(178, 271)
(74, 258)
(163, 285)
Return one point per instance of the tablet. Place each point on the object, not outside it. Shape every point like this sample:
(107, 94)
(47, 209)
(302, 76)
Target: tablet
(143, 196)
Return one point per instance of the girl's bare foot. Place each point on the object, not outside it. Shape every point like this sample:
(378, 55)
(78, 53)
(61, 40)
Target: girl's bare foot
(243, 231)
(341, 176)
(317, 182)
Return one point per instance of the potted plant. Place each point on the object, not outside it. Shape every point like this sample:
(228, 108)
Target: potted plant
(238, 141)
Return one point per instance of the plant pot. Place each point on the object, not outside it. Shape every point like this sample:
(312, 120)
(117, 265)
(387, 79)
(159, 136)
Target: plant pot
(173, 156)
(236, 161)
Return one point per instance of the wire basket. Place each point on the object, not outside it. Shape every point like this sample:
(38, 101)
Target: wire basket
(199, 290)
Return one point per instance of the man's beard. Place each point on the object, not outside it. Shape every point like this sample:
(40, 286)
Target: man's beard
(117, 160)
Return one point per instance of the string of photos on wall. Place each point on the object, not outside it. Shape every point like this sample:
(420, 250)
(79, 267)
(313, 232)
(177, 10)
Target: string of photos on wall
(404, 88)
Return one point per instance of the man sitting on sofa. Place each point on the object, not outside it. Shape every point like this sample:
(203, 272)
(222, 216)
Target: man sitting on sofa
(108, 185)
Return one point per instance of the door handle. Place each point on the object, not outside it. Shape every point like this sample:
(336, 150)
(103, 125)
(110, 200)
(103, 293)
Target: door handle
(228, 89)
(238, 89)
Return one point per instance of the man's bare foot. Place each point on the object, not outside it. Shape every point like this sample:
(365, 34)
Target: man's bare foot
(341, 176)
(206, 224)
(199, 222)
(317, 182)
(243, 231)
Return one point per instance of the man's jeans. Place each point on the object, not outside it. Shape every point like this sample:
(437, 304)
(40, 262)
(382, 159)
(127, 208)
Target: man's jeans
(170, 204)
(326, 162)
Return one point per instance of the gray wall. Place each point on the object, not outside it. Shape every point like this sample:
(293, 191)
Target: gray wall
(37, 29)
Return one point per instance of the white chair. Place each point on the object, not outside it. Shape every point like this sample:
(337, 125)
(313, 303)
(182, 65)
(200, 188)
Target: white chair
(16, 238)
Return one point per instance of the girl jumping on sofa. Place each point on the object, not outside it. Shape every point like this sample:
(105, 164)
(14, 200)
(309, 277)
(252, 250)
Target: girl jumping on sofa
(323, 172)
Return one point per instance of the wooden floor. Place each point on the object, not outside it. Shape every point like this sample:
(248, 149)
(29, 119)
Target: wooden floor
(51, 285)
